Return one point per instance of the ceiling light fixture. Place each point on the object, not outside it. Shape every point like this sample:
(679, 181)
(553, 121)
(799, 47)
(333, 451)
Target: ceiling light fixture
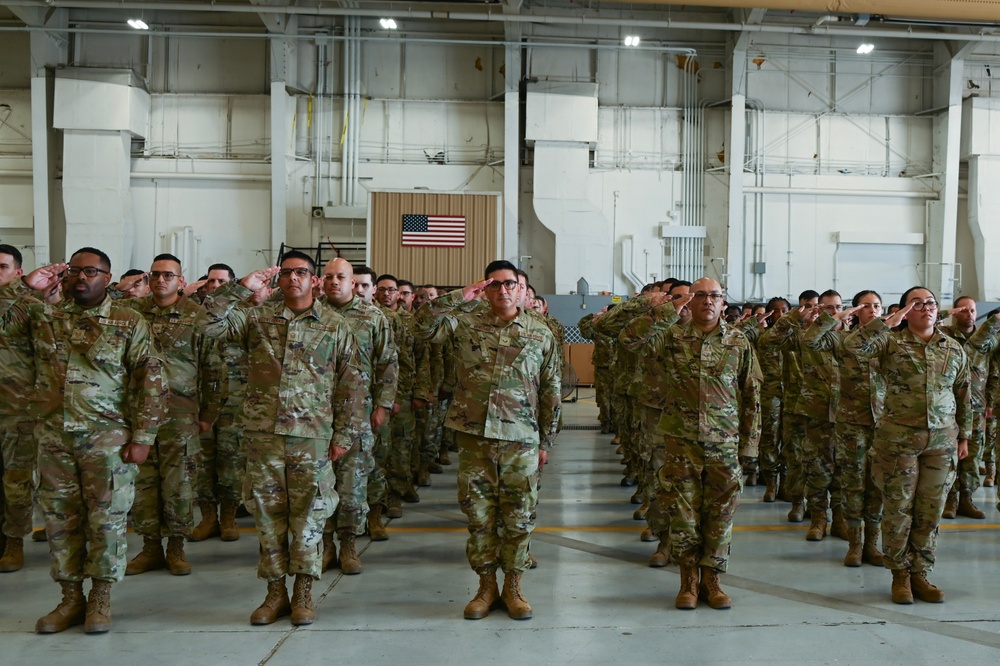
(865, 49)
(631, 40)
(138, 24)
(387, 24)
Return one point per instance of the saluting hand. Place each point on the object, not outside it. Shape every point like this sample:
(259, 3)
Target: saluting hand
(681, 301)
(191, 289)
(895, 319)
(131, 281)
(259, 279)
(473, 290)
(846, 313)
(46, 277)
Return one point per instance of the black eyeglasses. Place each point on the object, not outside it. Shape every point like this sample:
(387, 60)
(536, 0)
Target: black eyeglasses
(509, 285)
(166, 275)
(299, 272)
(929, 304)
(714, 296)
(89, 271)
(387, 290)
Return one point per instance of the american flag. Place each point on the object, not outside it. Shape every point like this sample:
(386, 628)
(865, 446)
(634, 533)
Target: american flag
(434, 230)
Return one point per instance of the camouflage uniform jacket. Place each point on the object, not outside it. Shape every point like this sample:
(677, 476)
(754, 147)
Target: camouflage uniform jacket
(611, 324)
(402, 337)
(304, 373)
(791, 367)
(192, 366)
(927, 384)
(981, 347)
(857, 404)
(373, 334)
(637, 337)
(17, 366)
(819, 390)
(713, 386)
(770, 359)
(603, 349)
(559, 333)
(95, 368)
(508, 383)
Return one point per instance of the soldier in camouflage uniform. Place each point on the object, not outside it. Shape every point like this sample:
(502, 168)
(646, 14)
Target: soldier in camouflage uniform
(380, 368)
(506, 410)
(221, 461)
(603, 359)
(305, 406)
(17, 441)
(399, 455)
(164, 493)
(855, 426)
(99, 399)
(817, 401)
(983, 349)
(962, 329)
(926, 422)
(713, 398)
(652, 382)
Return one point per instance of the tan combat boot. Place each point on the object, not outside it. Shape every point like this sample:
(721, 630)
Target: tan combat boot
(423, 476)
(176, 562)
(798, 511)
(870, 553)
(329, 551)
(661, 557)
(771, 489)
(70, 612)
(951, 505)
(376, 529)
(99, 607)
(838, 527)
(991, 475)
(517, 606)
(444, 458)
(640, 513)
(687, 597)
(350, 563)
(434, 467)
(901, 591)
(303, 610)
(817, 528)
(923, 589)
(854, 548)
(275, 603)
(647, 536)
(967, 508)
(208, 528)
(711, 591)
(228, 529)
(395, 509)
(13, 555)
(783, 495)
(150, 559)
(486, 598)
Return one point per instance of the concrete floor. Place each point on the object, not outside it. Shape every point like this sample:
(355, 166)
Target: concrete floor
(595, 600)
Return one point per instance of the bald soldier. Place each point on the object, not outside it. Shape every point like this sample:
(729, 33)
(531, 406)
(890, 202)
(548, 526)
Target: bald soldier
(354, 467)
(713, 396)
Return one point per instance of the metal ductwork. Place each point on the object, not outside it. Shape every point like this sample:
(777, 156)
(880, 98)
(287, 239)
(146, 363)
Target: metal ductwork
(942, 10)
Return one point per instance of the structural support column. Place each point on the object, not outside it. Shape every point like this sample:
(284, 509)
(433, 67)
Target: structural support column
(942, 215)
(281, 109)
(734, 278)
(511, 142)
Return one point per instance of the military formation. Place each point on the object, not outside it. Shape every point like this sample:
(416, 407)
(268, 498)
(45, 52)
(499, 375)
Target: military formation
(320, 400)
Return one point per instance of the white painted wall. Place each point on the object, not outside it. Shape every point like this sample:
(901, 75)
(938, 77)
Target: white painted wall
(828, 120)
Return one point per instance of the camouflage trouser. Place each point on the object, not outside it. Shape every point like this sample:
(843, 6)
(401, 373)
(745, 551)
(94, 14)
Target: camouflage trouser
(220, 462)
(289, 491)
(818, 463)
(602, 393)
(17, 446)
(352, 471)
(967, 480)
(399, 457)
(442, 432)
(427, 434)
(497, 490)
(701, 483)
(378, 486)
(860, 499)
(649, 446)
(914, 469)
(164, 496)
(989, 448)
(793, 434)
(619, 416)
(85, 491)
(770, 435)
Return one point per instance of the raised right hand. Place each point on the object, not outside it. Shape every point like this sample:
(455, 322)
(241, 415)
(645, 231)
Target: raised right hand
(473, 290)
(260, 279)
